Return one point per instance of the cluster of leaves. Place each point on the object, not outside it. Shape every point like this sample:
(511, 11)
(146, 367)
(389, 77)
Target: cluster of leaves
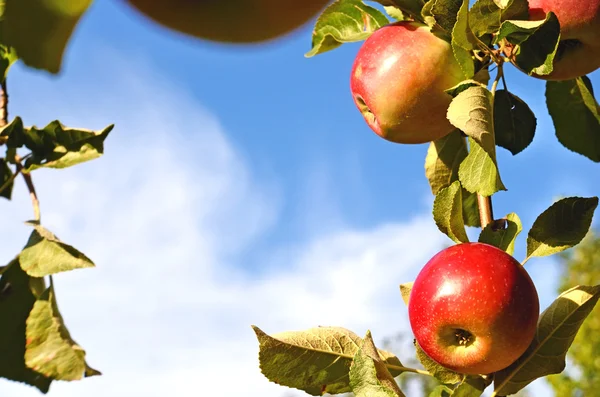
(462, 172)
(35, 344)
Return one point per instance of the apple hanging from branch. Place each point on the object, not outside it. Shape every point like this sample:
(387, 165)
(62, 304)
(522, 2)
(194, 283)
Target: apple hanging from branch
(233, 21)
(398, 81)
(579, 47)
(473, 308)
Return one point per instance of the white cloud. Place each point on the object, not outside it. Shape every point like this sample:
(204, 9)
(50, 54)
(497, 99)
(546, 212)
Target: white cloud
(168, 214)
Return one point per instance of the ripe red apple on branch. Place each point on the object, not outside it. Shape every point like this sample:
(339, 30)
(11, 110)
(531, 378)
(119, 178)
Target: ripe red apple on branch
(579, 48)
(473, 308)
(234, 21)
(398, 81)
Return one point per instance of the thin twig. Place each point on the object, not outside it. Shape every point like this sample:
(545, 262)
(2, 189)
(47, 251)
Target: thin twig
(408, 369)
(26, 176)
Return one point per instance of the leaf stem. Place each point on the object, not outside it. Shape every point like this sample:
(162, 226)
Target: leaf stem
(26, 176)
(408, 369)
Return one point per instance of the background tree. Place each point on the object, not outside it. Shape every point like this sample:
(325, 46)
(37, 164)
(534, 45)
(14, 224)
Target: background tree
(582, 377)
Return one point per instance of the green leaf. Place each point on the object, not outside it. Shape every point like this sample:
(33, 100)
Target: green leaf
(442, 374)
(470, 209)
(45, 254)
(409, 7)
(575, 114)
(563, 225)
(344, 21)
(557, 328)
(443, 159)
(448, 213)
(502, 237)
(12, 134)
(6, 179)
(471, 112)
(405, 291)
(316, 360)
(470, 387)
(8, 56)
(39, 30)
(445, 14)
(56, 146)
(395, 13)
(16, 302)
(464, 41)
(514, 122)
(441, 391)
(50, 350)
(487, 15)
(478, 173)
(536, 43)
(369, 377)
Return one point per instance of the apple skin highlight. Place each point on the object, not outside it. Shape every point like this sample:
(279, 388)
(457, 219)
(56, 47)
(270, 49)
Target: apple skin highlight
(473, 308)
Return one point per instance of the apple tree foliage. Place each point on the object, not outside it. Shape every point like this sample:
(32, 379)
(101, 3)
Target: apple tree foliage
(35, 345)
(463, 175)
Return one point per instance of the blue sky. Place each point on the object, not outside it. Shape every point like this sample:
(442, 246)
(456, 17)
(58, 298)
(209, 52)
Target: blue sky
(240, 186)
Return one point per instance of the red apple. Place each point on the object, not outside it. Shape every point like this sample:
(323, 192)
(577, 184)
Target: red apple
(473, 308)
(579, 48)
(398, 81)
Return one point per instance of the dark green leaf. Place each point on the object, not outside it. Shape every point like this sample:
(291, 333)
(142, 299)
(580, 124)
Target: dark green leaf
(470, 387)
(56, 146)
(575, 115)
(563, 225)
(536, 43)
(369, 377)
(464, 41)
(16, 302)
(45, 254)
(39, 30)
(410, 7)
(6, 179)
(445, 13)
(514, 122)
(443, 159)
(344, 21)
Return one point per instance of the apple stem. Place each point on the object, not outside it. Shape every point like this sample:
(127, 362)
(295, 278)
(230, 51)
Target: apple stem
(486, 213)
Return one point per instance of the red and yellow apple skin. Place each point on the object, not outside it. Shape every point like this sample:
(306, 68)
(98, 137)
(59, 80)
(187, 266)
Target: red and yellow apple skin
(579, 50)
(232, 21)
(398, 81)
(473, 308)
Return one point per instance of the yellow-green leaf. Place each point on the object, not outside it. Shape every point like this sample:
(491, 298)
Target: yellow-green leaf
(448, 213)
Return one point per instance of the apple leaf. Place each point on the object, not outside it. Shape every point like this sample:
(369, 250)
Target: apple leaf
(441, 391)
(536, 43)
(405, 291)
(488, 15)
(8, 56)
(470, 387)
(478, 173)
(442, 374)
(16, 302)
(471, 112)
(344, 21)
(448, 213)
(563, 225)
(443, 159)
(576, 115)
(464, 41)
(410, 7)
(326, 354)
(557, 327)
(395, 13)
(50, 350)
(39, 30)
(514, 122)
(445, 13)
(503, 237)
(45, 254)
(6, 179)
(369, 376)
